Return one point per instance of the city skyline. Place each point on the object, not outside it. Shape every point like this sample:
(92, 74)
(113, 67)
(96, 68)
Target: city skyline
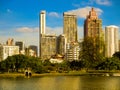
(20, 19)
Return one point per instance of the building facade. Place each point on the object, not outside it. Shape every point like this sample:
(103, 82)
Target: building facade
(47, 42)
(111, 40)
(34, 49)
(48, 46)
(70, 27)
(61, 45)
(42, 22)
(7, 50)
(21, 46)
(92, 25)
(72, 51)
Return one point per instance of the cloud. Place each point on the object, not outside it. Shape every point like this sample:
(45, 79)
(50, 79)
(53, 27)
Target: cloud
(53, 14)
(83, 12)
(27, 29)
(55, 30)
(103, 2)
(99, 2)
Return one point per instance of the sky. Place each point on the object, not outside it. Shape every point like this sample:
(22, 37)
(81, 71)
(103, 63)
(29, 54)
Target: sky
(19, 19)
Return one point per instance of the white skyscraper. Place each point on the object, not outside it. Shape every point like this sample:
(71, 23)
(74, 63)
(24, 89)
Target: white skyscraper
(42, 22)
(111, 40)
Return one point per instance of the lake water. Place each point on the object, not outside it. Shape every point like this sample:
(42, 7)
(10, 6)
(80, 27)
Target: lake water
(61, 83)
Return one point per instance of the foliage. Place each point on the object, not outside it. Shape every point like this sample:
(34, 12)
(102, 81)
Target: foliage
(92, 51)
(109, 64)
(116, 54)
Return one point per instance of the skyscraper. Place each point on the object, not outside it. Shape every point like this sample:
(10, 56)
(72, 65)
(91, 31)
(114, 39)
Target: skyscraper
(92, 25)
(42, 28)
(42, 22)
(47, 42)
(111, 40)
(70, 27)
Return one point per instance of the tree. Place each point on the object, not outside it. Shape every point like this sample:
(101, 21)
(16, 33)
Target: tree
(92, 51)
(116, 54)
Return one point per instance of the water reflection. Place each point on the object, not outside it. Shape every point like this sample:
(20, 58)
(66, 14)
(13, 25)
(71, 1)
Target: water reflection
(61, 83)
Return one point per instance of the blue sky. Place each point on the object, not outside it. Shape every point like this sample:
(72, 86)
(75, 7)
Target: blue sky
(19, 19)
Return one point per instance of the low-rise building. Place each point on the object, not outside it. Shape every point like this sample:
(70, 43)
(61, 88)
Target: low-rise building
(8, 50)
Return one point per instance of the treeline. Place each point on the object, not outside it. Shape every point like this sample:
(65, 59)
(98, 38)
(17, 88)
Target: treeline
(19, 63)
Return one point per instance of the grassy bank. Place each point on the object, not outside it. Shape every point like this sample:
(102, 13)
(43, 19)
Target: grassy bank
(71, 73)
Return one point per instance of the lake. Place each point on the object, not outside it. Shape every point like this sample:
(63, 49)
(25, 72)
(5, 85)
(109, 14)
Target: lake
(61, 83)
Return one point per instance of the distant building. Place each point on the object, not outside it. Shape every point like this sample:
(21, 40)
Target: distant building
(48, 46)
(72, 51)
(92, 25)
(70, 27)
(35, 49)
(9, 41)
(7, 50)
(111, 40)
(21, 46)
(61, 44)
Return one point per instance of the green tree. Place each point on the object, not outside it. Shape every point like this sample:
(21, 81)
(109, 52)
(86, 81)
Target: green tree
(116, 54)
(92, 51)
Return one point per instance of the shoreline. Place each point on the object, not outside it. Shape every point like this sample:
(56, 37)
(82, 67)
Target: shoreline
(71, 73)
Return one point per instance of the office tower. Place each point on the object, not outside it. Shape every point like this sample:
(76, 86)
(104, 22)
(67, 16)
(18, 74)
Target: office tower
(70, 27)
(72, 51)
(48, 46)
(92, 25)
(61, 45)
(21, 45)
(34, 49)
(8, 50)
(111, 40)
(47, 42)
(42, 29)
(42, 22)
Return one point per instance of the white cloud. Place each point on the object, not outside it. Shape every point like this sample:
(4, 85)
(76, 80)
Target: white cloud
(99, 2)
(83, 12)
(53, 14)
(103, 2)
(55, 30)
(27, 29)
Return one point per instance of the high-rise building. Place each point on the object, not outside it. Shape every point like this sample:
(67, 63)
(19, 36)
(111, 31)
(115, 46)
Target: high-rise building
(92, 25)
(48, 46)
(111, 40)
(47, 42)
(61, 45)
(42, 28)
(42, 22)
(70, 27)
